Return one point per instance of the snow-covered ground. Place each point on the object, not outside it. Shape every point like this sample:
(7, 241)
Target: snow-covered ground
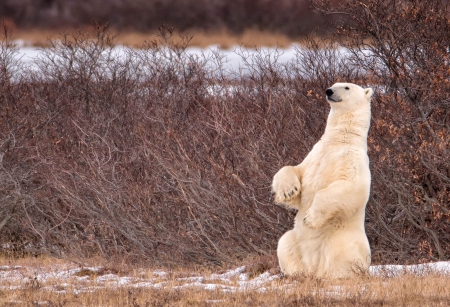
(442, 267)
(64, 278)
(235, 59)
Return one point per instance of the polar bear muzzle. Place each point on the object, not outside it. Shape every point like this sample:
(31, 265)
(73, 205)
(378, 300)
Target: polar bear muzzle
(329, 92)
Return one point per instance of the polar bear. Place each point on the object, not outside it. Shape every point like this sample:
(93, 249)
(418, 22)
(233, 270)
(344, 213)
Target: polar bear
(330, 189)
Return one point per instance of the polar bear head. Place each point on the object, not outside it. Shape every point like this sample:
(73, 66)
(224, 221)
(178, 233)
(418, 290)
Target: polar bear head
(348, 96)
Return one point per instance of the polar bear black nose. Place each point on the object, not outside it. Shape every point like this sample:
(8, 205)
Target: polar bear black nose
(329, 92)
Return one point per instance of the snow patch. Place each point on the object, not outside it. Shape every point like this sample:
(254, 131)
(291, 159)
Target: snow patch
(442, 267)
(62, 279)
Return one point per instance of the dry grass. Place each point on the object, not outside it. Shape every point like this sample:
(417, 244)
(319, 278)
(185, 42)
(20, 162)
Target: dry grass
(82, 288)
(249, 38)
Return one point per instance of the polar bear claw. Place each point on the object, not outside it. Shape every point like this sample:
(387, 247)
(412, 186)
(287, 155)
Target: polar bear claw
(286, 185)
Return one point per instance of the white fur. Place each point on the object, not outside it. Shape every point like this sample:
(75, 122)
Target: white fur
(330, 189)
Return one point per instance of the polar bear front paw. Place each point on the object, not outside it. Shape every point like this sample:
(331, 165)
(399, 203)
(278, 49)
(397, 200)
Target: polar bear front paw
(312, 220)
(286, 185)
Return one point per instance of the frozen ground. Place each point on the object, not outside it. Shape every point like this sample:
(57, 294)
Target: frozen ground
(234, 58)
(65, 278)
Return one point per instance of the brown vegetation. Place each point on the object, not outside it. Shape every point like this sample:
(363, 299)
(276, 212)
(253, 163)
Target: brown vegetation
(167, 158)
(290, 17)
(249, 38)
(45, 282)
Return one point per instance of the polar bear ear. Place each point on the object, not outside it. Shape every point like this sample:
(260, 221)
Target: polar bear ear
(368, 92)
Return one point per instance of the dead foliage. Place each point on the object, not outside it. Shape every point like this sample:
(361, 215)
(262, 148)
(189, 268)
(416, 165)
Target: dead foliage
(292, 17)
(163, 157)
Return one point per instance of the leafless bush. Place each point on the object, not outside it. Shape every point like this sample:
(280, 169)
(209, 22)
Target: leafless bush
(162, 156)
(157, 155)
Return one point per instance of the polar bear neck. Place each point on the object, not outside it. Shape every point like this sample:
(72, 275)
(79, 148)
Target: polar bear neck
(348, 126)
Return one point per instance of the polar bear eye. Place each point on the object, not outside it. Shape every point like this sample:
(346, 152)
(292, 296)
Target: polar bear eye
(347, 88)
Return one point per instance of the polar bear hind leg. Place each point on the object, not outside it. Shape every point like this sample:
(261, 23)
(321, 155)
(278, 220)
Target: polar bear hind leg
(346, 267)
(289, 257)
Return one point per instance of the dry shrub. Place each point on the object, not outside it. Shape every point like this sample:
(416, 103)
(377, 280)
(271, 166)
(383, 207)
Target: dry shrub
(165, 157)
(159, 155)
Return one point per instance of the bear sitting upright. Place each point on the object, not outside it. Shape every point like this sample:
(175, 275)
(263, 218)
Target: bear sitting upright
(330, 189)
